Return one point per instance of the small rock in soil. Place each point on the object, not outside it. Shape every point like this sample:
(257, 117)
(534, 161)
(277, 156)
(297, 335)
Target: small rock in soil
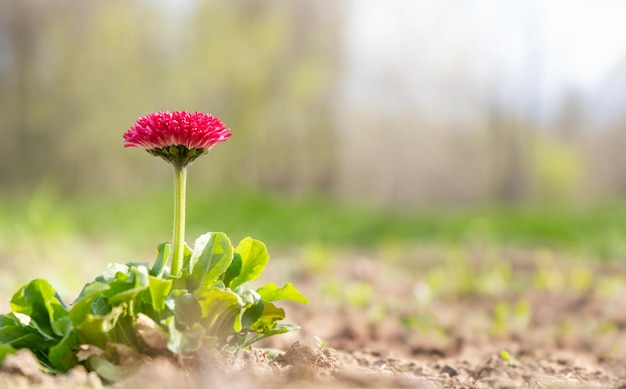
(447, 369)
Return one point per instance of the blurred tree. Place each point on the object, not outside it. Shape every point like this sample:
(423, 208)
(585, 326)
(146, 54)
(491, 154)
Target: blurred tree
(509, 148)
(22, 22)
(270, 70)
(76, 80)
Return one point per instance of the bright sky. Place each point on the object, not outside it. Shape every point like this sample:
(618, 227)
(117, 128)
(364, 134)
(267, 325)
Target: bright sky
(435, 53)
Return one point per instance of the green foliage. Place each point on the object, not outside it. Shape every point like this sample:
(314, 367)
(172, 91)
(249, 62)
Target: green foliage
(508, 318)
(598, 231)
(133, 310)
(40, 322)
(558, 168)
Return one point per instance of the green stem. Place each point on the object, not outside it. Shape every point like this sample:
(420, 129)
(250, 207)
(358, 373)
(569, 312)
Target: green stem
(178, 241)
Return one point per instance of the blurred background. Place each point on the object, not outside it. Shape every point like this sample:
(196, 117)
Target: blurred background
(355, 122)
(402, 102)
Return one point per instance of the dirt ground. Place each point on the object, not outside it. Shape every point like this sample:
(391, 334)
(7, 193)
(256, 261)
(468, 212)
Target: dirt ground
(415, 319)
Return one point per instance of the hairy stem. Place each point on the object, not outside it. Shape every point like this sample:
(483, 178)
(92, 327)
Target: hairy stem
(178, 241)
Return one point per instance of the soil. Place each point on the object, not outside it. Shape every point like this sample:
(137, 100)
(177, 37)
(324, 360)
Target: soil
(415, 319)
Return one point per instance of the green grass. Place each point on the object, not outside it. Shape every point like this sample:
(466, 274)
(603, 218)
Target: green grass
(284, 222)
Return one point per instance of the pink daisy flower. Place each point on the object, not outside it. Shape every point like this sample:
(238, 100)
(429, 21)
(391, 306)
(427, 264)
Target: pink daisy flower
(178, 137)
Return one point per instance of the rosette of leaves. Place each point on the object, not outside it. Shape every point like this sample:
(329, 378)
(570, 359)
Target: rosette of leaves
(132, 310)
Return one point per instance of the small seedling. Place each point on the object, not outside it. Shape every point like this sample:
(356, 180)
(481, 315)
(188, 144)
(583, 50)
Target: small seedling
(508, 358)
(321, 344)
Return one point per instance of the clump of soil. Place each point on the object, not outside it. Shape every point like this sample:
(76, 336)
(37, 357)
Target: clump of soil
(303, 355)
(22, 370)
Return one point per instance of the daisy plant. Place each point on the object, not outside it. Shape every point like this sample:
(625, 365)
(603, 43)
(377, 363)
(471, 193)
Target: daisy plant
(134, 311)
(179, 138)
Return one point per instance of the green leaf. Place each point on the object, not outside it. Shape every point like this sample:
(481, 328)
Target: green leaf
(186, 308)
(83, 305)
(105, 369)
(8, 320)
(90, 291)
(137, 264)
(163, 253)
(42, 303)
(252, 314)
(5, 350)
(100, 306)
(184, 341)
(159, 289)
(278, 329)
(126, 287)
(233, 270)
(187, 253)
(62, 356)
(20, 331)
(212, 255)
(271, 292)
(267, 321)
(221, 312)
(97, 329)
(281, 329)
(114, 271)
(254, 258)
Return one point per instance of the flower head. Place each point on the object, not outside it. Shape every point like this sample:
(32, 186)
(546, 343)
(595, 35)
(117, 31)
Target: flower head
(178, 137)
